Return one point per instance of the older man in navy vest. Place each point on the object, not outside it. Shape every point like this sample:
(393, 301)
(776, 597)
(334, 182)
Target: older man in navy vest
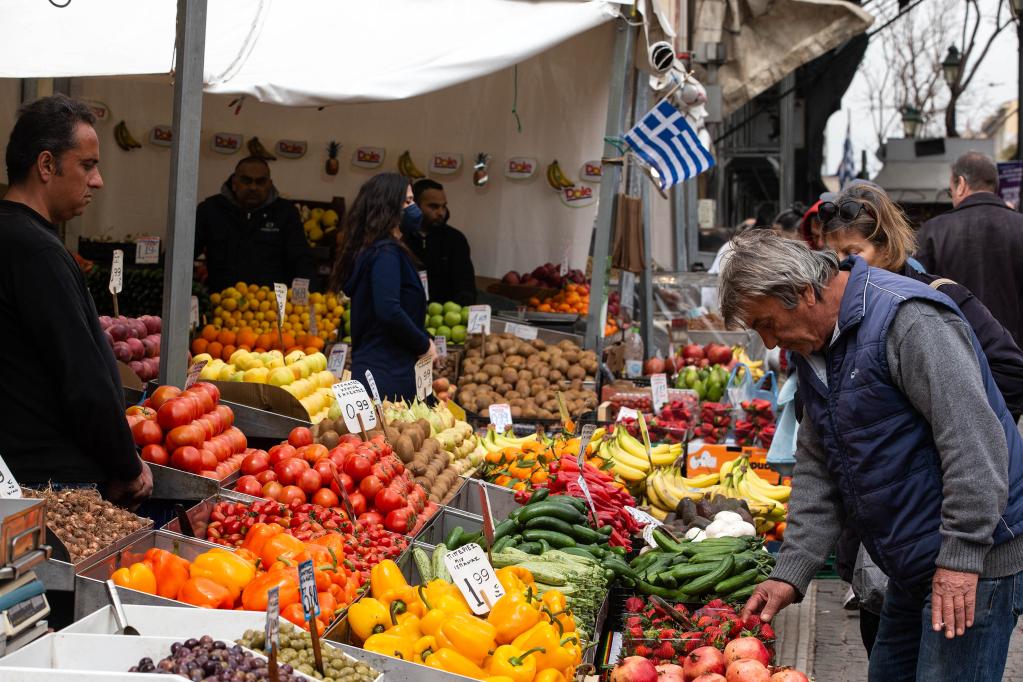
(905, 436)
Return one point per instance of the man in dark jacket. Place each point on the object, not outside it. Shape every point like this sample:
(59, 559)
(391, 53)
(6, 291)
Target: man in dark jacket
(441, 249)
(249, 233)
(979, 243)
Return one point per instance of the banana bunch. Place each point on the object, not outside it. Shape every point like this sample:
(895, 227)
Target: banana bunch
(629, 457)
(125, 140)
(667, 487)
(408, 168)
(494, 441)
(257, 149)
(756, 367)
(556, 177)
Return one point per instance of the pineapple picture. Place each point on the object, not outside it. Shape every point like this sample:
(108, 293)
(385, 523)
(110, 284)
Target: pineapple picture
(332, 164)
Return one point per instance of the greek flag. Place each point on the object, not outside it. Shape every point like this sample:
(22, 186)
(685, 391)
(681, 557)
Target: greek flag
(666, 143)
(847, 168)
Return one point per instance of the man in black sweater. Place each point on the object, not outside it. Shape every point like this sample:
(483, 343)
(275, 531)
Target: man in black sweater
(442, 249)
(61, 399)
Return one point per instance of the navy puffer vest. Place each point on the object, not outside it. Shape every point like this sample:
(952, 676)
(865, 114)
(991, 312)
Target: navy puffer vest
(880, 450)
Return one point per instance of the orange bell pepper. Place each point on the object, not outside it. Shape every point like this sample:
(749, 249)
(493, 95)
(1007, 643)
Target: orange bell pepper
(294, 614)
(205, 593)
(139, 576)
(224, 568)
(171, 571)
(284, 548)
(254, 596)
(258, 535)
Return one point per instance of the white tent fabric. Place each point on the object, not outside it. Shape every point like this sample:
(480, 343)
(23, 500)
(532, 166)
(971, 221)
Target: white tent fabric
(306, 53)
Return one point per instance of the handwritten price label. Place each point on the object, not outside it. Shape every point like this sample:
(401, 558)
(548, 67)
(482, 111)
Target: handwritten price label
(193, 312)
(373, 386)
(500, 416)
(147, 250)
(300, 291)
(273, 621)
(584, 441)
(336, 361)
(627, 413)
(474, 576)
(479, 319)
(523, 331)
(193, 372)
(442, 346)
(659, 391)
(281, 293)
(117, 272)
(9, 487)
(307, 588)
(355, 404)
(424, 377)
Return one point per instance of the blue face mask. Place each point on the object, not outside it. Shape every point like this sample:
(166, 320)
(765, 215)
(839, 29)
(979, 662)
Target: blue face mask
(411, 219)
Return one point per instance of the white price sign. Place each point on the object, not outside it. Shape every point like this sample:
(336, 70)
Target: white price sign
(354, 403)
(273, 621)
(584, 440)
(642, 517)
(479, 319)
(373, 386)
(307, 588)
(659, 391)
(336, 361)
(117, 272)
(426, 283)
(8, 484)
(442, 346)
(193, 372)
(627, 413)
(300, 291)
(281, 292)
(475, 578)
(563, 266)
(147, 250)
(500, 416)
(424, 377)
(193, 312)
(523, 331)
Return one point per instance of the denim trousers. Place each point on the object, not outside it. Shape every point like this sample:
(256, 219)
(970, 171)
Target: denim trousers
(908, 649)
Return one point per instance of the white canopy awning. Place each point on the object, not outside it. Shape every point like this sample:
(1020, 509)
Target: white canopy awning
(307, 53)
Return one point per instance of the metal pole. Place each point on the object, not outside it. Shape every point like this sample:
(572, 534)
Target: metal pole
(1019, 91)
(616, 108)
(646, 295)
(190, 46)
(787, 142)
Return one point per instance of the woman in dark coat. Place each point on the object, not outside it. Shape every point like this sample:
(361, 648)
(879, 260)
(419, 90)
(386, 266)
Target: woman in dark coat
(376, 271)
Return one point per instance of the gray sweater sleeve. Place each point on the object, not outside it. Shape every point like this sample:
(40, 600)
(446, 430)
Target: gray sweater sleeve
(814, 518)
(931, 358)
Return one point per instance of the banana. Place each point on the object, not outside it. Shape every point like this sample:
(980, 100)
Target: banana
(620, 454)
(658, 513)
(125, 140)
(664, 458)
(629, 443)
(628, 473)
(408, 168)
(559, 176)
(778, 493)
(704, 480)
(256, 148)
(651, 493)
(552, 179)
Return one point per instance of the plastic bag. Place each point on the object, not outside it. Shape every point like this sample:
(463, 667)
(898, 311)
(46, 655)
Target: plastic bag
(783, 446)
(746, 389)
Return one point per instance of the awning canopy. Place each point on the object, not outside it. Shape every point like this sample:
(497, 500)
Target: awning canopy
(308, 53)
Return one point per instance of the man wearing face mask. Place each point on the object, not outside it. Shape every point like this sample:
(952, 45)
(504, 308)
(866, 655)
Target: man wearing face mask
(440, 248)
(249, 233)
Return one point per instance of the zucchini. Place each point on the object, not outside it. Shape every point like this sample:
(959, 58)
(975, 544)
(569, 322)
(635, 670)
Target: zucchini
(440, 570)
(705, 583)
(553, 538)
(550, 523)
(740, 580)
(539, 495)
(423, 565)
(556, 510)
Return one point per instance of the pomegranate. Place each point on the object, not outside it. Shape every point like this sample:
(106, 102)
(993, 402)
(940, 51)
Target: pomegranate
(788, 675)
(634, 669)
(718, 354)
(706, 659)
(693, 351)
(653, 366)
(747, 670)
(710, 677)
(669, 672)
(746, 648)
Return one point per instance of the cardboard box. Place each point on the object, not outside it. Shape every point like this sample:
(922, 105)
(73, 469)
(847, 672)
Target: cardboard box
(705, 459)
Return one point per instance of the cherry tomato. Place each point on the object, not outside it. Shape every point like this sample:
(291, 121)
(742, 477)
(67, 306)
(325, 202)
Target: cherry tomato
(147, 432)
(299, 436)
(249, 486)
(155, 454)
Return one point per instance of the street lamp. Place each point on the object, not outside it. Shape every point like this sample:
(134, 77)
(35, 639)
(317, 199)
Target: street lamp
(952, 63)
(911, 120)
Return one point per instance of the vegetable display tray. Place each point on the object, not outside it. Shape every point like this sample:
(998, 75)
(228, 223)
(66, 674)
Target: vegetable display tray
(502, 500)
(59, 575)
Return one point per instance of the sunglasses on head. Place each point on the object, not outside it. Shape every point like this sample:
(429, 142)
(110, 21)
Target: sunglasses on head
(846, 210)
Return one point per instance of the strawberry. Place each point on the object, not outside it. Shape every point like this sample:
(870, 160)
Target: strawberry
(766, 631)
(716, 604)
(665, 650)
(634, 621)
(636, 632)
(643, 651)
(634, 605)
(751, 621)
(668, 633)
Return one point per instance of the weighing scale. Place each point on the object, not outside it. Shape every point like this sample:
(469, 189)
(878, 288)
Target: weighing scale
(23, 605)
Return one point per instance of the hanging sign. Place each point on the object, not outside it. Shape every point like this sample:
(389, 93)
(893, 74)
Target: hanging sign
(147, 250)
(658, 391)
(291, 149)
(424, 377)
(590, 171)
(500, 416)
(193, 372)
(368, 157)
(444, 163)
(355, 405)
(336, 361)
(474, 576)
(479, 319)
(226, 143)
(300, 291)
(578, 196)
(117, 272)
(162, 136)
(521, 168)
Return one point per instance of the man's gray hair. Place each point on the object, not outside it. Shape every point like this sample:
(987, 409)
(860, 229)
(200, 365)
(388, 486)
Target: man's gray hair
(763, 263)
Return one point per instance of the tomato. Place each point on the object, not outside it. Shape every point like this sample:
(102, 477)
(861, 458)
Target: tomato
(272, 490)
(383, 472)
(358, 467)
(238, 440)
(290, 493)
(206, 425)
(209, 459)
(134, 419)
(358, 501)
(255, 462)
(346, 481)
(155, 454)
(290, 469)
(309, 481)
(387, 500)
(173, 413)
(249, 486)
(326, 470)
(147, 432)
(141, 410)
(312, 453)
(338, 459)
(194, 403)
(400, 520)
(325, 497)
(205, 399)
(299, 436)
(189, 434)
(209, 388)
(220, 447)
(370, 486)
(351, 439)
(281, 452)
(162, 395)
(371, 517)
(216, 420)
(226, 413)
(265, 477)
(187, 458)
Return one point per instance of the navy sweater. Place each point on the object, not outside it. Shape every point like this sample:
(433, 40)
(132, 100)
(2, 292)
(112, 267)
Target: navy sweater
(388, 314)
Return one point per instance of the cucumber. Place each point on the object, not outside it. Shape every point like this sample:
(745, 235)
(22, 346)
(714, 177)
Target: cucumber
(422, 560)
(587, 535)
(539, 495)
(550, 523)
(579, 551)
(574, 502)
(729, 585)
(502, 544)
(666, 543)
(689, 571)
(556, 510)
(504, 529)
(454, 538)
(595, 551)
(619, 567)
(714, 545)
(741, 594)
(665, 580)
(663, 592)
(710, 557)
(705, 583)
(544, 546)
(553, 538)
(644, 560)
(605, 530)
(529, 548)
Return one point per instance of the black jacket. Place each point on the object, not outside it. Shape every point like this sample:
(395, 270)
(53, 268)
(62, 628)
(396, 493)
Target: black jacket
(261, 246)
(444, 252)
(61, 401)
(980, 245)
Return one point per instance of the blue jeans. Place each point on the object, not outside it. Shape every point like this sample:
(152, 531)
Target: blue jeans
(908, 649)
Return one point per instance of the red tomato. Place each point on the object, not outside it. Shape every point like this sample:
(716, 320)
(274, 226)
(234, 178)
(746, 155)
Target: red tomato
(156, 454)
(188, 458)
(226, 413)
(205, 399)
(281, 452)
(175, 412)
(249, 486)
(370, 486)
(351, 439)
(371, 518)
(265, 477)
(325, 497)
(387, 500)
(312, 453)
(325, 469)
(194, 403)
(272, 490)
(162, 395)
(219, 446)
(238, 440)
(358, 501)
(142, 411)
(209, 459)
(291, 492)
(147, 432)
(400, 520)
(358, 467)
(299, 436)
(338, 458)
(383, 472)
(189, 434)
(206, 425)
(255, 462)
(134, 419)
(290, 469)
(346, 481)
(217, 420)
(309, 481)
(209, 388)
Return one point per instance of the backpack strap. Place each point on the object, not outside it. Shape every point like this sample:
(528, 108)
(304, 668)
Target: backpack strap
(938, 283)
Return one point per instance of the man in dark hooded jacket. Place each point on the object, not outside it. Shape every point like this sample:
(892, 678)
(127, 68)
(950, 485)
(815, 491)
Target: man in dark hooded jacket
(249, 233)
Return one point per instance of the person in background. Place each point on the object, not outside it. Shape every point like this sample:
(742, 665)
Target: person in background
(375, 269)
(62, 403)
(249, 233)
(722, 255)
(788, 221)
(810, 228)
(440, 248)
(979, 243)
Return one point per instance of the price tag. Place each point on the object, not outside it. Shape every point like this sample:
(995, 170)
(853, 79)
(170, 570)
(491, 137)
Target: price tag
(336, 361)
(147, 250)
(373, 386)
(193, 372)
(299, 291)
(281, 292)
(426, 283)
(584, 440)
(648, 535)
(193, 312)
(307, 588)
(659, 391)
(442, 346)
(479, 319)
(642, 517)
(273, 621)
(646, 439)
(342, 492)
(117, 272)
(523, 331)
(500, 416)
(633, 368)
(627, 413)
(9, 487)
(354, 403)
(472, 572)
(424, 377)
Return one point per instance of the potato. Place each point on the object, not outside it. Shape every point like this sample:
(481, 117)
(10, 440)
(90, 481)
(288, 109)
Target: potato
(509, 375)
(529, 412)
(522, 388)
(481, 377)
(516, 412)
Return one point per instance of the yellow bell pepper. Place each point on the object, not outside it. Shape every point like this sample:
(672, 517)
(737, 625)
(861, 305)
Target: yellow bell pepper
(139, 576)
(514, 578)
(562, 656)
(386, 577)
(512, 615)
(368, 617)
(407, 625)
(470, 636)
(549, 675)
(543, 636)
(555, 609)
(423, 647)
(510, 661)
(225, 568)
(390, 644)
(452, 661)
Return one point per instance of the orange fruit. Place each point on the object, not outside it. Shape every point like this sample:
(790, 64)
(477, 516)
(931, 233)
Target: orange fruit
(227, 351)
(209, 332)
(246, 337)
(264, 341)
(308, 350)
(199, 345)
(288, 341)
(226, 337)
(315, 342)
(215, 349)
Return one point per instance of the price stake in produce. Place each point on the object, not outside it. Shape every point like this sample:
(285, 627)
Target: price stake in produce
(658, 391)
(566, 422)
(9, 487)
(584, 441)
(193, 312)
(424, 377)
(523, 331)
(474, 576)
(442, 346)
(193, 373)
(346, 501)
(426, 283)
(627, 413)
(310, 606)
(479, 319)
(300, 291)
(116, 277)
(281, 293)
(147, 250)
(500, 416)
(356, 408)
(272, 631)
(314, 328)
(336, 361)
(376, 397)
(488, 522)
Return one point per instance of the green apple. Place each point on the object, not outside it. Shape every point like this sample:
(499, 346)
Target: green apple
(435, 309)
(451, 318)
(347, 314)
(444, 331)
(452, 307)
(435, 321)
(465, 315)
(431, 331)
(458, 333)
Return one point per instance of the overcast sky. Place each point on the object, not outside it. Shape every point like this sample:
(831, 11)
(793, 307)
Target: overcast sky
(994, 83)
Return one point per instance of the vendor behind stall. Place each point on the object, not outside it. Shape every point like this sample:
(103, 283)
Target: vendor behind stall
(440, 248)
(249, 233)
(61, 399)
